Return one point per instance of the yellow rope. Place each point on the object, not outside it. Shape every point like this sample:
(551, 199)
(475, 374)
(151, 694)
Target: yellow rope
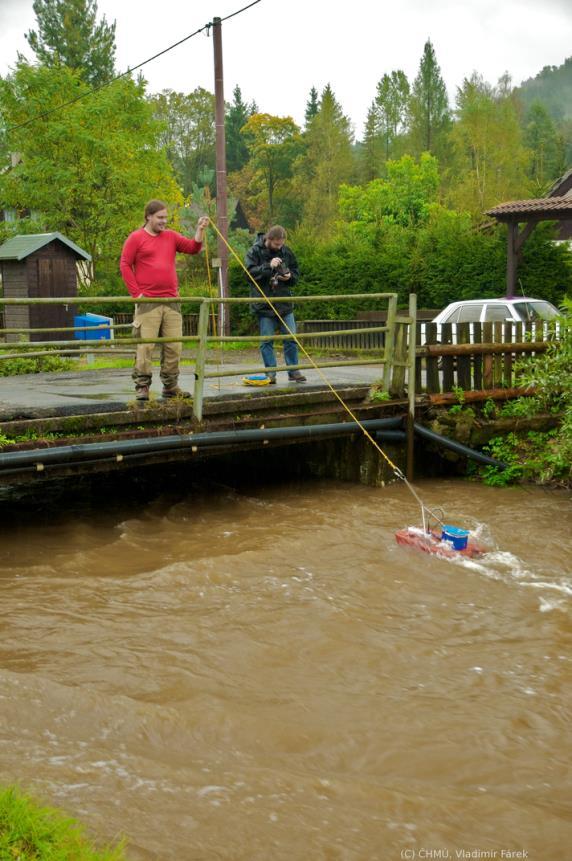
(212, 294)
(393, 466)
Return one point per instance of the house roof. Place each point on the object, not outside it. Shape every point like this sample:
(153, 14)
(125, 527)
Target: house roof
(561, 186)
(21, 246)
(550, 207)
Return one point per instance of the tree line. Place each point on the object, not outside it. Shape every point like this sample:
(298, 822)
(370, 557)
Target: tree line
(400, 208)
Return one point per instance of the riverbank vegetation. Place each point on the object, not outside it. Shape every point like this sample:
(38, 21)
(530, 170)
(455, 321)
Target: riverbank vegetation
(544, 457)
(32, 832)
(22, 364)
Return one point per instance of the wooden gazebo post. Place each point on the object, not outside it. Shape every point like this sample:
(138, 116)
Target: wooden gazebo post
(511, 258)
(557, 206)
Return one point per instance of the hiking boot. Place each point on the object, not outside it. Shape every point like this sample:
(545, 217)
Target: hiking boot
(175, 393)
(297, 377)
(142, 393)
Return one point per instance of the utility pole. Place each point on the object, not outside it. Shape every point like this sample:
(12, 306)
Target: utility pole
(221, 207)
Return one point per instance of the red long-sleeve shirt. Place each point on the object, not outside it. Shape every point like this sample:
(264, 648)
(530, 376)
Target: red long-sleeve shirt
(148, 262)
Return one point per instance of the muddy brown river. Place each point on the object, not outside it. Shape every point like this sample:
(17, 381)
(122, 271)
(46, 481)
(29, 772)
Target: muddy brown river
(262, 673)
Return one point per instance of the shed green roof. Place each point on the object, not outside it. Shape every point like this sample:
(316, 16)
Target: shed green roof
(21, 246)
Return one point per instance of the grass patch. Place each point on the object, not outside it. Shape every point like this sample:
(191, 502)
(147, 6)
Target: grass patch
(99, 364)
(30, 832)
(225, 346)
(114, 364)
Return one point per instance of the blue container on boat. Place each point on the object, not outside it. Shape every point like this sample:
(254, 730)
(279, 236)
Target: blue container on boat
(455, 536)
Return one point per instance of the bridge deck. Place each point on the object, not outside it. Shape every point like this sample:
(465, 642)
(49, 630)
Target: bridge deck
(95, 391)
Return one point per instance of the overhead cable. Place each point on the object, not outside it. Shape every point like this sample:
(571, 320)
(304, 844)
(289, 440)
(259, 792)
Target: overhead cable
(131, 69)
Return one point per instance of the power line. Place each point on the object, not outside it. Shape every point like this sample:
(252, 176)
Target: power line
(92, 92)
(232, 14)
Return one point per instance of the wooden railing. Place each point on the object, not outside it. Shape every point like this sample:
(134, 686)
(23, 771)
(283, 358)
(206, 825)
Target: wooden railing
(476, 356)
(395, 359)
(366, 340)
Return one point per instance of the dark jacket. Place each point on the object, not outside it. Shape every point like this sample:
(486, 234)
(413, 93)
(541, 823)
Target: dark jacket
(258, 264)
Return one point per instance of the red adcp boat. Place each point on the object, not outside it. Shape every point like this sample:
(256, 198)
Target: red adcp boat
(434, 542)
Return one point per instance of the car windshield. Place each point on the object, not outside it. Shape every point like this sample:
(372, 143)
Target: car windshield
(535, 311)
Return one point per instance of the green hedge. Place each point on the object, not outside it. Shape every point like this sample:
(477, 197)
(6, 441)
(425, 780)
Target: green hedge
(445, 259)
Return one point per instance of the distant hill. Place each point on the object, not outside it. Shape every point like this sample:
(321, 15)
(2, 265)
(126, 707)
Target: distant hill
(553, 87)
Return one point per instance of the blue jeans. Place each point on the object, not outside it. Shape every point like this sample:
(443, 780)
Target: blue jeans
(268, 327)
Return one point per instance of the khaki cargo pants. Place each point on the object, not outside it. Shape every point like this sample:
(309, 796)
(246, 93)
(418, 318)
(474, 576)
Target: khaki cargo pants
(157, 321)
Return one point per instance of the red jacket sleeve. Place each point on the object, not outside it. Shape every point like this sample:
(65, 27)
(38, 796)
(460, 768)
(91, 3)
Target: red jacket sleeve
(187, 246)
(126, 266)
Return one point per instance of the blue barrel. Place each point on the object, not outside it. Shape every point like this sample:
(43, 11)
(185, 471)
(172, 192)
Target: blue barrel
(92, 320)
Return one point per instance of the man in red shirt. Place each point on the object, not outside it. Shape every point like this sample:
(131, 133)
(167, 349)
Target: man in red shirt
(148, 269)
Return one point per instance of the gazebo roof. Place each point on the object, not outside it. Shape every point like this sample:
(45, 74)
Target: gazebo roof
(21, 246)
(547, 207)
(556, 206)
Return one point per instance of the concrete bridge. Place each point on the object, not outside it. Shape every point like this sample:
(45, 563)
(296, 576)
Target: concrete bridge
(72, 423)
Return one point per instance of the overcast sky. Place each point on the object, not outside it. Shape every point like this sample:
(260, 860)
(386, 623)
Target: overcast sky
(279, 49)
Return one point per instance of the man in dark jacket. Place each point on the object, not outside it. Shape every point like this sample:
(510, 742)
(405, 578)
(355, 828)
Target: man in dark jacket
(275, 269)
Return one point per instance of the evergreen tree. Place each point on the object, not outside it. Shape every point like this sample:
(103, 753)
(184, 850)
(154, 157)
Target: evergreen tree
(553, 87)
(392, 100)
(68, 35)
(545, 145)
(429, 106)
(236, 118)
(312, 106)
(372, 146)
(327, 163)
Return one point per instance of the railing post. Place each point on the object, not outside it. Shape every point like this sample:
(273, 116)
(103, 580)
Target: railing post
(202, 332)
(389, 343)
(411, 349)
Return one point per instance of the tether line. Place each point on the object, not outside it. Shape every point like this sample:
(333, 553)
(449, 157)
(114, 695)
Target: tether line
(213, 295)
(399, 474)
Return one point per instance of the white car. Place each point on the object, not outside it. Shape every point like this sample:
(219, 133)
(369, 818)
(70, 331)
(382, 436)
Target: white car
(497, 311)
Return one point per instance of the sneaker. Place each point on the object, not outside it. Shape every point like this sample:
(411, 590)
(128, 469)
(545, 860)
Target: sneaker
(297, 377)
(175, 393)
(271, 379)
(142, 393)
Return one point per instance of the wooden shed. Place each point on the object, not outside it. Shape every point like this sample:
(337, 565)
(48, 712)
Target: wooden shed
(39, 265)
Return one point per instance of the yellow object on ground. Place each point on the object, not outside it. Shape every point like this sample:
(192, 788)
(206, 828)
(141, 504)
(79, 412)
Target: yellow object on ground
(256, 380)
